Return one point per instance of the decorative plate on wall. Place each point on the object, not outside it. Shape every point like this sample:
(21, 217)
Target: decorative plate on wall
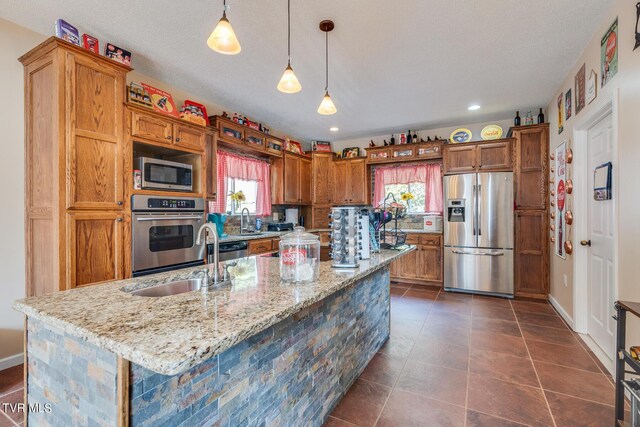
(460, 135)
(491, 132)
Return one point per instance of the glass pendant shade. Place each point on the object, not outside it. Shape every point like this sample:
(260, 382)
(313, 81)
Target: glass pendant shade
(223, 39)
(326, 106)
(289, 82)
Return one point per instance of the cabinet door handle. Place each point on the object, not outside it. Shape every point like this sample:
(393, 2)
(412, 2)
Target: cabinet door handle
(119, 202)
(119, 219)
(169, 137)
(177, 139)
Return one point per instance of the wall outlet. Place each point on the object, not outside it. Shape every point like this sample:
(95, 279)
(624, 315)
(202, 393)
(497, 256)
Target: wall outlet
(276, 216)
(564, 280)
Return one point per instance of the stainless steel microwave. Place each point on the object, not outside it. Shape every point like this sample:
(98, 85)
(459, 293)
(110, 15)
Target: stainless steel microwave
(165, 175)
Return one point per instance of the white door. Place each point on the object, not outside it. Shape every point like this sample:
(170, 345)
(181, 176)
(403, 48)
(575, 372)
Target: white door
(600, 280)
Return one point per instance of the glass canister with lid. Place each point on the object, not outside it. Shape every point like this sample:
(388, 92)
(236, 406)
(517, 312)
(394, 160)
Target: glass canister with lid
(299, 256)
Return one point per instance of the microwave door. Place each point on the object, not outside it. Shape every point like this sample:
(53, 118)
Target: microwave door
(460, 210)
(495, 210)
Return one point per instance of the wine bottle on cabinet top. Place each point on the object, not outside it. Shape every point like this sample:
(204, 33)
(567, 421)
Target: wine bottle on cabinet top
(415, 136)
(409, 138)
(541, 117)
(392, 141)
(516, 121)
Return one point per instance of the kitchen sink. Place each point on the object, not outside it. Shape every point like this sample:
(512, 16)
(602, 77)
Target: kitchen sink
(168, 289)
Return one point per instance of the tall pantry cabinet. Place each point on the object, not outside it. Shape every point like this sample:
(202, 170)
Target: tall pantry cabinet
(73, 133)
(531, 173)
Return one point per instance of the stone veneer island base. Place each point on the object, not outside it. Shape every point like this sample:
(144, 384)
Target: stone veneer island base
(290, 373)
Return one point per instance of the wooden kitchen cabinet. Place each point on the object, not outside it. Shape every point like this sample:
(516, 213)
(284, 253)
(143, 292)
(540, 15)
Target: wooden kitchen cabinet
(74, 148)
(459, 158)
(189, 136)
(263, 246)
(297, 179)
(532, 212)
(96, 245)
(531, 254)
(422, 266)
(321, 193)
(152, 126)
(349, 182)
(491, 156)
(211, 170)
(531, 166)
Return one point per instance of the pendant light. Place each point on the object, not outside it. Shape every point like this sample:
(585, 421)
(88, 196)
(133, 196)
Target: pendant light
(326, 106)
(289, 82)
(223, 39)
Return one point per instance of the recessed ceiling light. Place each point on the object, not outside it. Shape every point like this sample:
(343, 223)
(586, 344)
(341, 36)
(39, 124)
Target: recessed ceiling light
(474, 107)
(334, 129)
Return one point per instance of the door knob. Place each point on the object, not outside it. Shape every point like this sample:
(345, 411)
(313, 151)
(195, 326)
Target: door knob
(585, 243)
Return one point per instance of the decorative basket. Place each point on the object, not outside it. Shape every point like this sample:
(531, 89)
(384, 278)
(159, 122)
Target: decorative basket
(392, 238)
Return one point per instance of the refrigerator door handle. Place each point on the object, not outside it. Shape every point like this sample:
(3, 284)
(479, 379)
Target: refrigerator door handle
(475, 214)
(478, 253)
(479, 209)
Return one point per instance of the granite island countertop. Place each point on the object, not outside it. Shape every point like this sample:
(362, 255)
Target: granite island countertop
(171, 334)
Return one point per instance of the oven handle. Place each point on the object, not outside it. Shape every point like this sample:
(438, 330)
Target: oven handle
(168, 218)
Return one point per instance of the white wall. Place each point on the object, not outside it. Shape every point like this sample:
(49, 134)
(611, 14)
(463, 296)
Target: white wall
(14, 41)
(445, 132)
(627, 81)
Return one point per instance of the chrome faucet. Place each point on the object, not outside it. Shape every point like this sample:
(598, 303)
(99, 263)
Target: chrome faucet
(216, 242)
(245, 228)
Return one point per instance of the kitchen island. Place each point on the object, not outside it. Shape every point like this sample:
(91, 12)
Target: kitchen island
(258, 352)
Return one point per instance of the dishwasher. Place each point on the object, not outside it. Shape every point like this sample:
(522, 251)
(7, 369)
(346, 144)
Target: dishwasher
(228, 251)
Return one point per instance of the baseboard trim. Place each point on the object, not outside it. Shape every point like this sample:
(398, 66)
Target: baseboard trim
(561, 311)
(11, 361)
(597, 351)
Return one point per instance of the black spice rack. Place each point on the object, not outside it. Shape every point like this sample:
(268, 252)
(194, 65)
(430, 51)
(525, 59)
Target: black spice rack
(624, 360)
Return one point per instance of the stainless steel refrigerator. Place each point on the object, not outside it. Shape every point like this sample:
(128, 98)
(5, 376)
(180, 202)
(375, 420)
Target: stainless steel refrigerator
(478, 233)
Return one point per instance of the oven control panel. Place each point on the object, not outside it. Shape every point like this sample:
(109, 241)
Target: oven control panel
(171, 204)
(142, 203)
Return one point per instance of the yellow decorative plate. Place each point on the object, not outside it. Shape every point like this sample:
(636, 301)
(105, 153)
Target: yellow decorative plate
(491, 132)
(460, 135)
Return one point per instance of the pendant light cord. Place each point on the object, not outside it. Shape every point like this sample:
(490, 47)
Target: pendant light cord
(326, 61)
(289, 30)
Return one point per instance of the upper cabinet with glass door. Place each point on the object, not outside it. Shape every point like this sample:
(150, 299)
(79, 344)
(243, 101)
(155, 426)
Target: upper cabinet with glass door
(237, 137)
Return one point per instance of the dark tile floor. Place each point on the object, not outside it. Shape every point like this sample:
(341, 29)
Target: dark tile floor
(462, 360)
(11, 391)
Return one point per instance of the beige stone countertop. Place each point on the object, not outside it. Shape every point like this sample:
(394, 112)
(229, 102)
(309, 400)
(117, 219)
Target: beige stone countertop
(171, 334)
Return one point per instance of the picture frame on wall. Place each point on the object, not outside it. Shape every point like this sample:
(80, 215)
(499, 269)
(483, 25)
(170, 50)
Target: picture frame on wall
(609, 53)
(592, 86)
(567, 105)
(580, 89)
(560, 112)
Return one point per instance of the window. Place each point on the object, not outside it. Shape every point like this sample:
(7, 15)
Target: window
(240, 173)
(416, 188)
(250, 191)
(424, 181)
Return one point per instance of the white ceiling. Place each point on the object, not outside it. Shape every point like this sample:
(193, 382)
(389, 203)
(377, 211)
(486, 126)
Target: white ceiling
(393, 64)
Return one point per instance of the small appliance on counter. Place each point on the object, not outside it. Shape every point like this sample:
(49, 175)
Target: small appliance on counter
(218, 220)
(291, 215)
(345, 236)
(432, 223)
(280, 226)
(299, 257)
